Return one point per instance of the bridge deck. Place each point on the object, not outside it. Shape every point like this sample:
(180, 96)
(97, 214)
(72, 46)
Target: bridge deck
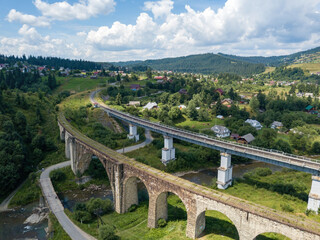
(256, 153)
(305, 225)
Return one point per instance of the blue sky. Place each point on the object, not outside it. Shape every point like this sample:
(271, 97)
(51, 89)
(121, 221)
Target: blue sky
(118, 30)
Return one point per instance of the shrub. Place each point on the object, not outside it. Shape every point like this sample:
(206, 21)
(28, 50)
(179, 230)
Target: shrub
(262, 172)
(106, 232)
(82, 216)
(132, 208)
(308, 211)
(286, 207)
(98, 206)
(58, 176)
(162, 223)
(80, 207)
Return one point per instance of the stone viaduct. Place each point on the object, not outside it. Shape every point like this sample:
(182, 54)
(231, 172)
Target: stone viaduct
(124, 173)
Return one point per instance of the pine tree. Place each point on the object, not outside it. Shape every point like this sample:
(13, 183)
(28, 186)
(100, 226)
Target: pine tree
(118, 99)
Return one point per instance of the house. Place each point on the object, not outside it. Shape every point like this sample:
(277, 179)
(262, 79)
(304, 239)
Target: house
(276, 125)
(95, 105)
(134, 103)
(135, 87)
(308, 94)
(221, 131)
(235, 136)
(159, 77)
(254, 123)
(183, 91)
(93, 77)
(220, 91)
(246, 139)
(182, 107)
(226, 101)
(309, 108)
(299, 94)
(220, 117)
(151, 105)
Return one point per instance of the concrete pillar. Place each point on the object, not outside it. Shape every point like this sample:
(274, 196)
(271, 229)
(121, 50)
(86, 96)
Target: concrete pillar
(168, 152)
(133, 133)
(225, 172)
(314, 195)
(67, 145)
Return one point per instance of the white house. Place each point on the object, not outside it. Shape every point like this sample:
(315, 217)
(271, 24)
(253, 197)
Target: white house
(150, 105)
(254, 123)
(221, 131)
(276, 125)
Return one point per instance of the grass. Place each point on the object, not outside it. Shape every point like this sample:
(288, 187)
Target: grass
(312, 67)
(133, 225)
(269, 69)
(55, 230)
(79, 84)
(197, 125)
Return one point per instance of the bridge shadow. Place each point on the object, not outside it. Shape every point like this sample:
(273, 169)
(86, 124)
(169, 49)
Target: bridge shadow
(176, 208)
(217, 223)
(271, 236)
(280, 187)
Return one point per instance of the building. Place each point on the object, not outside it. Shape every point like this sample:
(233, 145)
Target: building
(220, 117)
(183, 91)
(182, 107)
(254, 123)
(220, 91)
(226, 101)
(151, 105)
(246, 139)
(276, 125)
(135, 87)
(221, 131)
(309, 108)
(308, 95)
(234, 136)
(134, 103)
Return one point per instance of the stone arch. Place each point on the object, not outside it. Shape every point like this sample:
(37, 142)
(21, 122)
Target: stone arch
(229, 228)
(271, 236)
(130, 191)
(161, 204)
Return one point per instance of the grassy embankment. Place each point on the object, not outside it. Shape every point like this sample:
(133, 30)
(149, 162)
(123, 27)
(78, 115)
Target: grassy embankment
(79, 84)
(55, 229)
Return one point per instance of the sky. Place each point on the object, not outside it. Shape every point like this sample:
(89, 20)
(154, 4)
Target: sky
(122, 30)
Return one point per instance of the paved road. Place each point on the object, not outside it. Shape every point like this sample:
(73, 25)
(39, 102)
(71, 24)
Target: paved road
(56, 207)
(141, 145)
(5, 203)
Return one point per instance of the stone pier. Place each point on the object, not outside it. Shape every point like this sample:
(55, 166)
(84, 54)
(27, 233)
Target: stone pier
(314, 195)
(133, 133)
(225, 172)
(168, 151)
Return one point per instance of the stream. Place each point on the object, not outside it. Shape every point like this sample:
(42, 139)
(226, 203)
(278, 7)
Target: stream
(11, 222)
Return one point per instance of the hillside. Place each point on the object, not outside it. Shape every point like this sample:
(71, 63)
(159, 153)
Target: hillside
(311, 55)
(201, 63)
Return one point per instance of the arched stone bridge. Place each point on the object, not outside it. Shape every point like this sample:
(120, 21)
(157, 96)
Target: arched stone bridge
(249, 219)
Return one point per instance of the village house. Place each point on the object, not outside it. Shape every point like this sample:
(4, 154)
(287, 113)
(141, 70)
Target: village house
(234, 136)
(220, 91)
(134, 103)
(150, 106)
(183, 91)
(246, 139)
(276, 125)
(182, 107)
(221, 131)
(220, 117)
(135, 87)
(254, 123)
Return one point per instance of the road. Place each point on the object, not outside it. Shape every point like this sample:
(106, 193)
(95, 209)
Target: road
(5, 203)
(56, 207)
(141, 145)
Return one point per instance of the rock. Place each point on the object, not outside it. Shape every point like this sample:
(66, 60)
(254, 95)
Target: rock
(38, 215)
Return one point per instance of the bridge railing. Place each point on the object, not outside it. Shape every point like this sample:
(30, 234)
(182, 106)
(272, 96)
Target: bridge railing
(220, 140)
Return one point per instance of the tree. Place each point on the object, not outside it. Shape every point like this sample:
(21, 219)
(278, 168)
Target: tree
(118, 99)
(149, 73)
(106, 232)
(203, 115)
(174, 113)
(266, 138)
(262, 100)
(283, 146)
(254, 103)
(316, 148)
(97, 206)
(192, 112)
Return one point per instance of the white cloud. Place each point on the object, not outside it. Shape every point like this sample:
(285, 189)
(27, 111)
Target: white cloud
(81, 34)
(246, 25)
(27, 19)
(160, 8)
(120, 36)
(84, 9)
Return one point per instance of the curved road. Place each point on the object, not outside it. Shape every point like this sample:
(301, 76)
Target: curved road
(55, 204)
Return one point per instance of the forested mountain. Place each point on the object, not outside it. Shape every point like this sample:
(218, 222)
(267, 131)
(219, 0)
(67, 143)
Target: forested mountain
(274, 60)
(201, 63)
(52, 62)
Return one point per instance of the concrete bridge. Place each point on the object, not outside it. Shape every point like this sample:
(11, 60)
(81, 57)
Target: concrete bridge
(227, 148)
(249, 219)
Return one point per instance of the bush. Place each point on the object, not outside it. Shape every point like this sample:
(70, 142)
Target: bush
(98, 206)
(162, 223)
(132, 208)
(106, 232)
(82, 216)
(80, 207)
(286, 207)
(58, 176)
(262, 172)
